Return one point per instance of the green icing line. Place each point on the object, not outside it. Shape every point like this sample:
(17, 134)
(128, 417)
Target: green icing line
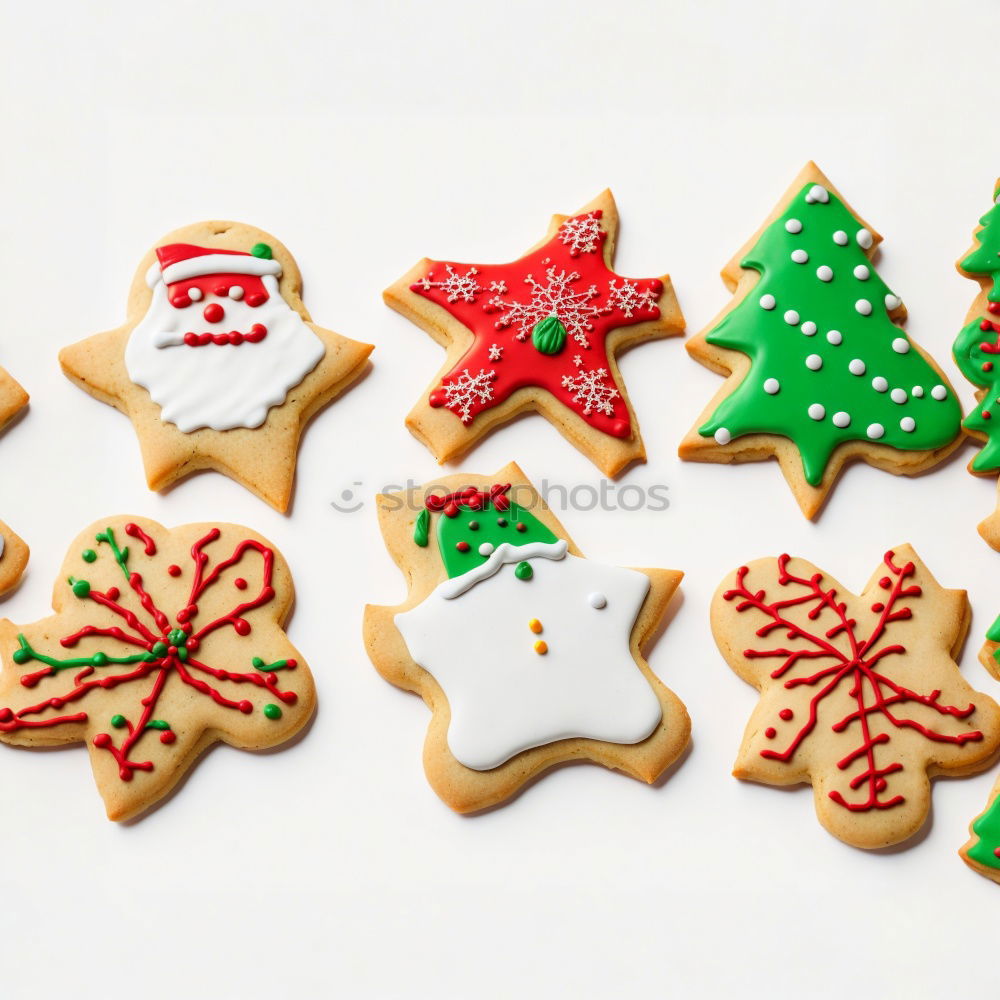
(778, 347)
(987, 829)
(421, 530)
(157, 724)
(259, 664)
(25, 654)
(121, 555)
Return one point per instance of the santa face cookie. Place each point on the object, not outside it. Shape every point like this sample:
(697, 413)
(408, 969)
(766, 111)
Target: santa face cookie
(13, 559)
(527, 653)
(540, 333)
(819, 372)
(860, 695)
(13, 399)
(219, 365)
(977, 351)
(162, 643)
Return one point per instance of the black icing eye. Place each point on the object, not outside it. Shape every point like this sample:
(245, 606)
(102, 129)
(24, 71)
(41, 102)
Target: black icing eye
(473, 526)
(501, 522)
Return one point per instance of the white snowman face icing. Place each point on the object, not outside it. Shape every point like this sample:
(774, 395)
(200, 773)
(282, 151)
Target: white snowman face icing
(504, 696)
(220, 385)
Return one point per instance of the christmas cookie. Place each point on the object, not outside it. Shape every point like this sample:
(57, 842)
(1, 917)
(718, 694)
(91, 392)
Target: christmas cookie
(818, 371)
(218, 365)
(13, 559)
(12, 399)
(162, 643)
(541, 333)
(860, 695)
(527, 653)
(977, 348)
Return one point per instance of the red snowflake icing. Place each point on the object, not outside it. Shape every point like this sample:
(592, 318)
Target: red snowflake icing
(874, 693)
(165, 647)
(567, 279)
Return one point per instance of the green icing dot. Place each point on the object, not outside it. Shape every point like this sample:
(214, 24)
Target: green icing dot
(548, 335)
(272, 711)
(117, 721)
(176, 637)
(80, 588)
(523, 571)
(159, 650)
(89, 555)
(261, 250)
(99, 659)
(21, 656)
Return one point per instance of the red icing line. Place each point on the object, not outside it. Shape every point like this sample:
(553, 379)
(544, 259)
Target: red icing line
(134, 531)
(469, 497)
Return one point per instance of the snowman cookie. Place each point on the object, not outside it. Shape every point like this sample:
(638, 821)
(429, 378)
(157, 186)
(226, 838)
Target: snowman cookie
(819, 372)
(163, 642)
(541, 333)
(13, 398)
(13, 559)
(527, 653)
(218, 365)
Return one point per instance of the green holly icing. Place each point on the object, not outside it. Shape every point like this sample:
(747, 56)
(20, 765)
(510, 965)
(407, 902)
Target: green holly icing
(258, 664)
(272, 712)
(421, 530)
(118, 721)
(548, 335)
(81, 588)
(261, 250)
(523, 571)
(987, 829)
(977, 347)
(515, 525)
(827, 364)
(89, 555)
(157, 724)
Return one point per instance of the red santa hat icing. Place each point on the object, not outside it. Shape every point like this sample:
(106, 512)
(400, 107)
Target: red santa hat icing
(183, 261)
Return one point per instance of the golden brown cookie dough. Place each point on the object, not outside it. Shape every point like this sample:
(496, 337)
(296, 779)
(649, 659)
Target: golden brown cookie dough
(13, 559)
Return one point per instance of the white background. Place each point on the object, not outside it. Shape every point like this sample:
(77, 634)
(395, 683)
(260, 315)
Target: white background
(365, 136)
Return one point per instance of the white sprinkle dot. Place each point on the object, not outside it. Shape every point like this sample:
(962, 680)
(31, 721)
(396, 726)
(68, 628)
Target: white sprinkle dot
(486, 549)
(194, 294)
(236, 292)
(817, 411)
(800, 256)
(864, 307)
(862, 273)
(840, 238)
(898, 396)
(767, 302)
(875, 431)
(865, 239)
(809, 328)
(857, 367)
(793, 226)
(879, 384)
(792, 317)
(814, 362)
(901, 345)
(892, 302)
(824, 273)
(722, 436)
(917, 390)
(939, 392)
(835, 337)
(817, 193)
(771, 386)
(597, 601)
(841, 419)
(908, 424)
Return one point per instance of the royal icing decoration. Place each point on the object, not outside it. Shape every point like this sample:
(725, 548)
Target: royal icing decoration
(823, 347)
(541, 321)
(218, 345)
(478, 632)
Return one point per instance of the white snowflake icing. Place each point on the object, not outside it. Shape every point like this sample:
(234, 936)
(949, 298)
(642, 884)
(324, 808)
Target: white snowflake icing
(496, 352)
(456, 286)
(554, 298)
(577, 360)
(465, 390)
(591, 391)
(581, 235)
(628, 298)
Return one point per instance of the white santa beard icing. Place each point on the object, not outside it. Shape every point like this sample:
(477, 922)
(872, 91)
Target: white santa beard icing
(504, 554)
(220, 386)
(505, 697)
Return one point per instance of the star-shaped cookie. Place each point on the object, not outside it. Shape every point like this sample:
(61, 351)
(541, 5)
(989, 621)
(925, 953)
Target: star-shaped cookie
(541, 333)
(13, 559)
(12, 398)
(218, 364)
(527, 653)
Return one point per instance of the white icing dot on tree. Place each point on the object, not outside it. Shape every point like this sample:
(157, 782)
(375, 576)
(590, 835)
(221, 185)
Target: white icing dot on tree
(824, 272)
(809, 328)
(917, 390)
(939, 392)
(771, 386)
(862, 273)
(817, 193)
(892, 302)
(835, 337)
(901, 345)
(865, 239)
(722, 436)
(486, 549)
(875, 431)
(841, 419)
(597, 601)
(840, 238)
(767, 302)
(898, 396)
(817, 411)
(879, 384)
(800, 256)
(793, 226)
(908, 424)
(792, 317)
(814, 362)
(864, 307)
(857, 367)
